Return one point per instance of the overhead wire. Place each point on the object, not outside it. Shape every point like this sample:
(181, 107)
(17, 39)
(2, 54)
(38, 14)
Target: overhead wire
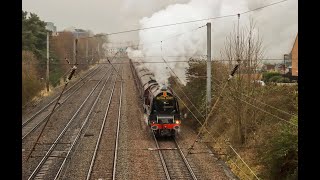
(221, 93)
(184, 22)
(270, 106)
(262, 109)
(280, 110)
(144, 57)
(192, 21)
(263, 6)
(72, 71)
(195, 116)
(113, 66)
(203, 126)
(165, 25)
(244, 162)
(239, 168)
(210, 114)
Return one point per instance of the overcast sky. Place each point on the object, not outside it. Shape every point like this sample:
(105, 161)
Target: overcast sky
(277, 24)
(100, 16)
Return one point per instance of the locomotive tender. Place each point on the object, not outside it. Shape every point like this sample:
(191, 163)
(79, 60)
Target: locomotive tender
(159, 103)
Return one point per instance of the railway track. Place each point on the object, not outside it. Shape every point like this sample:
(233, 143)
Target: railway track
(25, 122)
(173, 161)
(103, 162)
(81, 130)
(87, 144)
(62, 146)
(32, 123)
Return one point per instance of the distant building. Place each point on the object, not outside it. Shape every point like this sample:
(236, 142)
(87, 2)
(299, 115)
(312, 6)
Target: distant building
(80, 33)
(269, 67)
(51, 27)
(294, 56)
(281, 68)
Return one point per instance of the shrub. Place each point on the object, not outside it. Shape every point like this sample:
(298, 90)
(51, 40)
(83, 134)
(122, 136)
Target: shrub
(282, 154)
(31, 84)
(283, 80)
(275, 79)
(267, 75)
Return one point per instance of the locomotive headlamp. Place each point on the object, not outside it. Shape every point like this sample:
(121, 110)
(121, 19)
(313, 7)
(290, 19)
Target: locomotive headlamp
(178, 122)
(164, 94)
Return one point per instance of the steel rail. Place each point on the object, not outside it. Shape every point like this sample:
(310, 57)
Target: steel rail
(80, 131)
(46, 156)
(60, 104)
(164, 165)
(100, 134)
(185, 160)
(45, 107)
(117, 137)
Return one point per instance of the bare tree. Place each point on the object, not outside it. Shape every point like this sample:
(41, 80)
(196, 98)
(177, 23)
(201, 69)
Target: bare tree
(247, 46)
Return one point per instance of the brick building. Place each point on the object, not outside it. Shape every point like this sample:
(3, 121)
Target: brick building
(294, 56)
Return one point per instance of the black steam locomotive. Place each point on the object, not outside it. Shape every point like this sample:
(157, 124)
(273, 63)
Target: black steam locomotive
(159, 103)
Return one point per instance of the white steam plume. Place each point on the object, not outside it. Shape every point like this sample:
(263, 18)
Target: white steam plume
(193, 43)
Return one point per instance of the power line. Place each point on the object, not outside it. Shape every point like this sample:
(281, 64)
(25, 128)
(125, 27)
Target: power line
(267, 112)
(262, 102)
(203, 125)
(113, 66)
(155, 42)
(243, 161)
(180, 82)
(263, 6)
(143, 57)
(262, 110)
(165, 25)
(144, 43)
(249, 103)
(72, 71)
(239, 168)
(196, 117)
(215, 104)
(271, 106)
(185, 22)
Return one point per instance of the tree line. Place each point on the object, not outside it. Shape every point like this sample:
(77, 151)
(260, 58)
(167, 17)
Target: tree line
(61, 51)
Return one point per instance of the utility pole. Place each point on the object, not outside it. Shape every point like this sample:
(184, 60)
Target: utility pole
(208, 65)
(98, 52)
(87, 50)
(92, 54)
(76, 63)
(47, 80)
(74, 51)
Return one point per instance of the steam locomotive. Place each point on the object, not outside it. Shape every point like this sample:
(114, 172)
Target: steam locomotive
(159, 103)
